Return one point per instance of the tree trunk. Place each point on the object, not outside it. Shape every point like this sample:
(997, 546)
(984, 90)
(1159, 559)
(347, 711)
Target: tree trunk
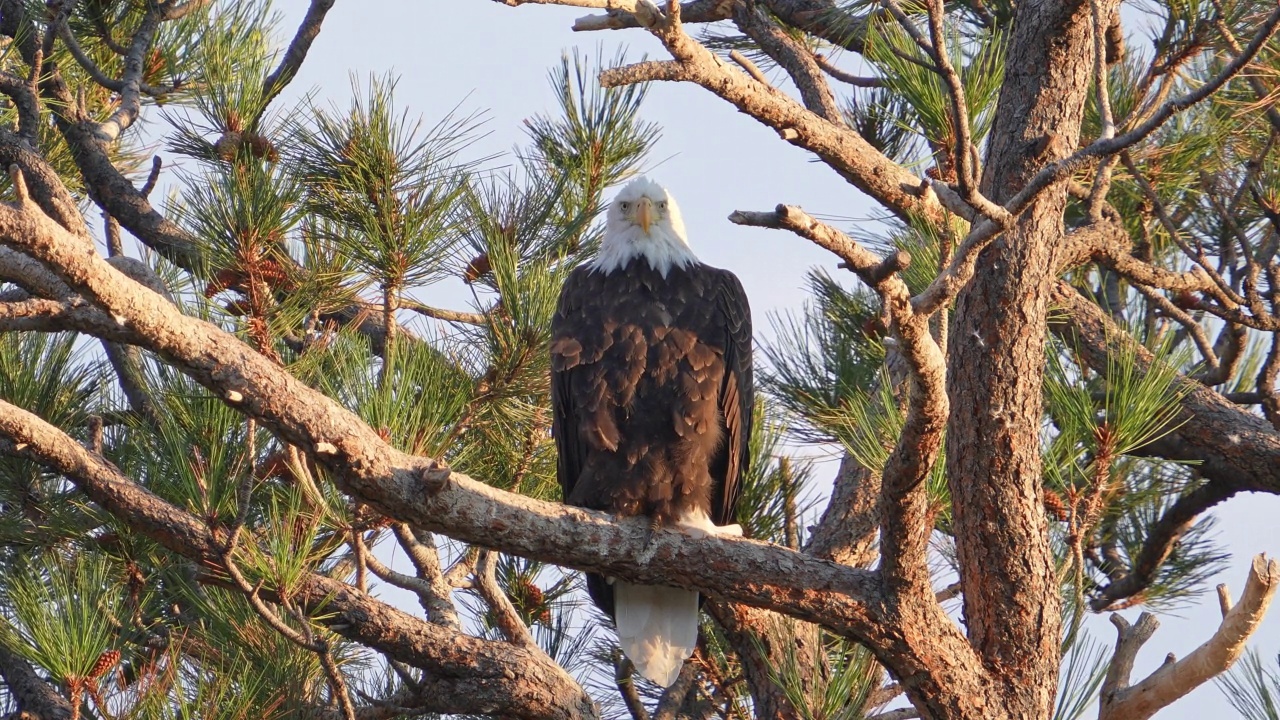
(1011, 595)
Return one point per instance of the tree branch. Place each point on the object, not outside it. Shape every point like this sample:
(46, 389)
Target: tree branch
(464, 670)
(842, 148)
(1162, 536)
(306, 34)
(1174, 680)
(1104, 147)
(36, 698)
(1230, 445)
(507, 619)
(797, 60)
(131, 81)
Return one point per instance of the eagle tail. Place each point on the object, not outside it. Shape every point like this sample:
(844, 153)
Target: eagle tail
(657, 628)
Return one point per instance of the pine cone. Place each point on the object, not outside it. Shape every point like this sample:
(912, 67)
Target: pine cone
(105, 662)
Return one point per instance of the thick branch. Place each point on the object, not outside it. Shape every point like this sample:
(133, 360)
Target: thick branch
(35, 697)
(465, 670)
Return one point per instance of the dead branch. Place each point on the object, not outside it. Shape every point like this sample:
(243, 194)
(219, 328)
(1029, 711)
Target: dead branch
(1174, 680)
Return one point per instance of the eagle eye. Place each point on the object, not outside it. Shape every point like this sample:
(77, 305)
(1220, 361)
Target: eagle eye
(662, 204)
(625, 206)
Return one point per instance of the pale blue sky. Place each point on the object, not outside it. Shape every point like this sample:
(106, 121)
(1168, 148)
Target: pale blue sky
(490, 57)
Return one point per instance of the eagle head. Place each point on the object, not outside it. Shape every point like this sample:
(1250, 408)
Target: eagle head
(644, 221)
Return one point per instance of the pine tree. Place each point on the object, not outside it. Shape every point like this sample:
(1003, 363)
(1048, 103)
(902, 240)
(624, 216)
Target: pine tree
(1054, 356)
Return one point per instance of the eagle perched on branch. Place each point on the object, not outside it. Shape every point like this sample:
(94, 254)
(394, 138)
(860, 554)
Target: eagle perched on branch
(652, 394)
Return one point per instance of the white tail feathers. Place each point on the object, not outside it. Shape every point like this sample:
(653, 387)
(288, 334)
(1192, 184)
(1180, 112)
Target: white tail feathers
(657, 628)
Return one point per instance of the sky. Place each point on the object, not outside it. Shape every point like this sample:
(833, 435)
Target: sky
(480, 55)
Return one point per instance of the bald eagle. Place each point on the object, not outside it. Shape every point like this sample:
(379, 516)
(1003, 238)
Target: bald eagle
(652, 395)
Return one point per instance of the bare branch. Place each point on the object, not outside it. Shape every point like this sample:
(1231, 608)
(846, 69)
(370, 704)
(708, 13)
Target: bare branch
(745, 63)
(443, 314)
(903, 537)
(1174, 680)
(963, 150)
(131, 82)
(857, 81)
(306, 34)
(504, 613)
(1129, 640)
(1102, 181)
(432, 592)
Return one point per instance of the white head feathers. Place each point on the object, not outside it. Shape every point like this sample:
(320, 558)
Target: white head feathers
(644, 221)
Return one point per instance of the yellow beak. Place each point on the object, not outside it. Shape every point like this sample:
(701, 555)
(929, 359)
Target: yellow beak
(644, 214)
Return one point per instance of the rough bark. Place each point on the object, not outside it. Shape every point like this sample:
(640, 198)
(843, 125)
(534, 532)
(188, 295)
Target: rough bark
(1011, 598)
(35, 697)
(466, 674)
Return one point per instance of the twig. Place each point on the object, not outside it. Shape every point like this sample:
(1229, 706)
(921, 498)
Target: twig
(338, 684)
(959, 107)
(152, 177)
(1193, 328)
(750, 67)
(504, 613)
(443, 314)
(830, 68)
(1102, 181)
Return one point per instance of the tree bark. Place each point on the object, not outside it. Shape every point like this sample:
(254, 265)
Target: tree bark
(1011, 594)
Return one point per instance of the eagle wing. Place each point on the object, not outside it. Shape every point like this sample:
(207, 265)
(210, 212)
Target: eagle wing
(737, 399)
(725, 322)
(570, 450)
